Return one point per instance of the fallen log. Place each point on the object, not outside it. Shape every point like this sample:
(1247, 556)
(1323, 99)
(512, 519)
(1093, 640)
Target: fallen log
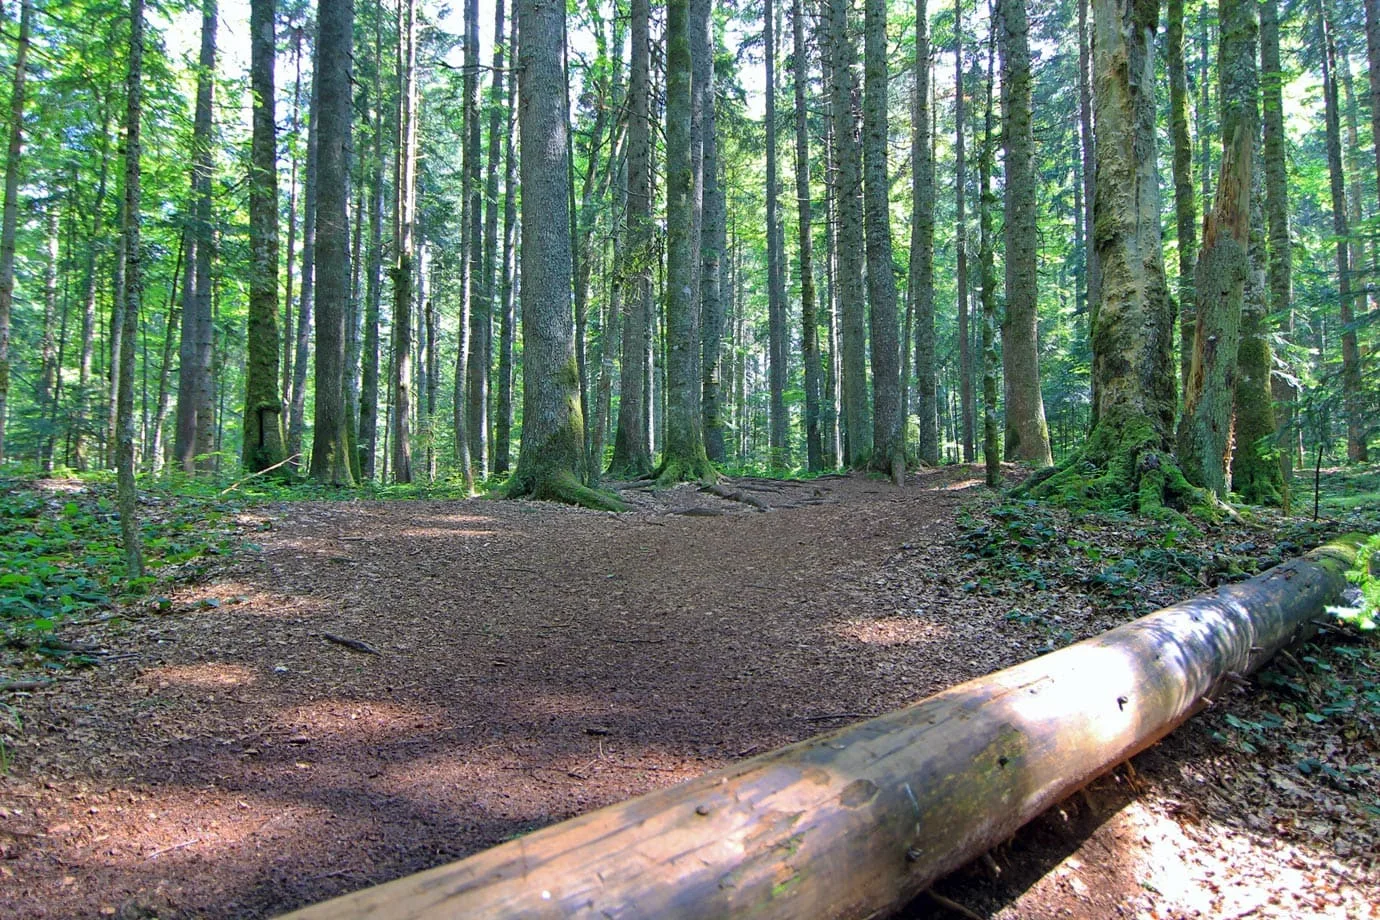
(859, 821)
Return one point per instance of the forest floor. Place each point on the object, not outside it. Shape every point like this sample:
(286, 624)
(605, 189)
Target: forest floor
(373, 688)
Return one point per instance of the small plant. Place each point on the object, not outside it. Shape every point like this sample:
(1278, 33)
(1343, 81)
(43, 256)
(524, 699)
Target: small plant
(1364, 613)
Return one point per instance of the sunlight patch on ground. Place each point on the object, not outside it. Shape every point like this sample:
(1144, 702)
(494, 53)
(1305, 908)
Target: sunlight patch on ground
(959, 485)
(891, 631)
(210, 675)
(360, 719)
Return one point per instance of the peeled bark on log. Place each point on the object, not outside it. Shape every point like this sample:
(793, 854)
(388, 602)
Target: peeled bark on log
(857, 822)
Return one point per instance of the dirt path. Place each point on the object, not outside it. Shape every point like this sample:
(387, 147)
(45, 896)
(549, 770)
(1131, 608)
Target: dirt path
(388, 686)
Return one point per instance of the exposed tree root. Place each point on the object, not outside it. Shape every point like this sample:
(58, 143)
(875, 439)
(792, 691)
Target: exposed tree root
(675, 470)
(564, 487)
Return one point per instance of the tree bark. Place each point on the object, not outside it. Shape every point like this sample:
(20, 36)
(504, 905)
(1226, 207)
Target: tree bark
(10, 219)
(1093, 269)
(1205, 428)
(1353, 402)
(1185, 201)
(922, 243)
(404, 228)
(1280, 300)
(1373, 60)
(551, 463)
(888, 442)
(1255, 473)
(987, 271)
(50, 365)
(478, 292)
(306, 296)
(195, 410)
(632, 454)
(809, 318)
(1027, 434)
(330, 460)
(503, 425)
(858, 822)
(965, 356)
(778, 431)
(491, 210)
(683, 457)
(712, 243)
(848, 210)
(126, 494)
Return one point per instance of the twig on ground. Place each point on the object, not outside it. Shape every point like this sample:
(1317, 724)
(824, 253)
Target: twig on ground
(832, 716)
(19, 686)
(353, 644)
(176, 846)
(636, 641)
(239, 482)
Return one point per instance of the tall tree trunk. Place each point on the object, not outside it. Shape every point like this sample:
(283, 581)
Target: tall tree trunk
(289, 340)
(887, 431)
(126, 495)
(553, 443)
(491, 209)
(1255, 471)
(778, 440)
(90, 274)
(195, 409)
(922, 242)
(1185, 201)
(373, 275)
(965, 355)
(809, 319)
(10, 220)
(683, 456)
(402, 272)
(833, 448)
(330, 459)
(987, 271)
(1124, 463)
(1352, 161)
(712, 241)
(1205, 429)
(1027, 434)
(1352, 397)
(478, 291)
(849, 214)
(1373, 60)
(50, 367)
(632, 446)
(504, 423)
(1281, 259)
(263, 409)
(307, 287)
(1092, 268)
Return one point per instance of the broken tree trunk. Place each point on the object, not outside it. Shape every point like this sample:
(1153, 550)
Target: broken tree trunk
(856, 822)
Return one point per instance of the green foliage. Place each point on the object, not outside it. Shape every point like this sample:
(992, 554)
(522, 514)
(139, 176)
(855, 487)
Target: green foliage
(1364, 610)
(60, 556)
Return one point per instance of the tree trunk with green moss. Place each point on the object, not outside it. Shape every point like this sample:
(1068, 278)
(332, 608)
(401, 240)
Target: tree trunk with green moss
(1126, 462)
(330, 454)
(1280, 252)
(1373, 59)
(683, 457)
(1352, 397)
(848, 210)
(264, 442)
(888, 442)
(1204, 443)
(1255, 471)
(1027, 434)
(1185, 200)
(551, 464)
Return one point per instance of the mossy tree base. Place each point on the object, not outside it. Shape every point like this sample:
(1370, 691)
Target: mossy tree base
(564, 487)
(1123, 467)
(675, 470)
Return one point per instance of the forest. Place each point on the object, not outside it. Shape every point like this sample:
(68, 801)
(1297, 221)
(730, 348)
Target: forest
(443, 431)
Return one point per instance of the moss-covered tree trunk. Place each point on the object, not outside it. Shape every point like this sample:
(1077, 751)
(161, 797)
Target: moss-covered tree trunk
(713, 238)
(11, 210)
(632, 453)
(888, 443)
(1185, 201)
(1255, 471)
(126, 494)
(961, 306)
(1125, 462)
(857, 432)
(264, 441)
(1353, 403)
(683, 457)
(1205, 430)
(987, 270)
(330, 457)
(1027, 434)
(1279, 248)
(922, 243)
(551, 464)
